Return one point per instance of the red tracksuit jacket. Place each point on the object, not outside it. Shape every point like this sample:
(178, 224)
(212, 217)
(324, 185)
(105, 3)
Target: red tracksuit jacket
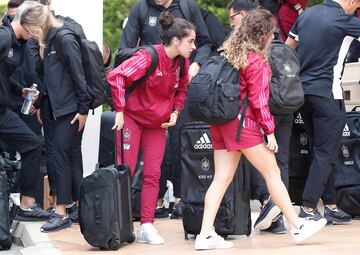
(255, 83)
(152, 102)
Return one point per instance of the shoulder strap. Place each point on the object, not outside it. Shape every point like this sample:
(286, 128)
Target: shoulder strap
(5, 53)
(57, 40)
(144, 8)
(182, 65)
(184, 7)
(154, 62)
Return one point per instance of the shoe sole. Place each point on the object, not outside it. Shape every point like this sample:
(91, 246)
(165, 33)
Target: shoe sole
(62, 227)
(266, 222)
(213, 248)
(339, 222)
(142, 241)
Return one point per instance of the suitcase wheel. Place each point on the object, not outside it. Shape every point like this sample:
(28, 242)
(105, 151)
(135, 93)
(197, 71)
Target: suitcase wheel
(131, 238)
(114, 244)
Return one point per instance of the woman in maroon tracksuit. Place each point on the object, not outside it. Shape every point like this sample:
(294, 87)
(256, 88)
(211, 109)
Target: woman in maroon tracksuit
(246, 50)
(151, 108)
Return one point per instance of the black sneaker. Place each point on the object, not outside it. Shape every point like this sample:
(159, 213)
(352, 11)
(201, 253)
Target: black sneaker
(177, 212)
(277, 226)
(34, 213)
(161, 212)
(55, 223)
(74, 216)
(51, 209)
(314, 215)
(336, 216)
(268, 213)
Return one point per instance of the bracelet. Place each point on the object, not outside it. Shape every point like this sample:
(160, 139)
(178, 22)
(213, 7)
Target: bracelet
(297, 7)
(176, 111)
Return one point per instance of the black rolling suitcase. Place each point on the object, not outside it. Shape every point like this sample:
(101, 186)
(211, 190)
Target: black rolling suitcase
(347, 167)
(105, 208)
(197, 164)
(5, 237)
(299, 159)
(107, 156)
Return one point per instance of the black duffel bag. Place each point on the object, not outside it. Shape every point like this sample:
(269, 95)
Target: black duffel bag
(347, 168)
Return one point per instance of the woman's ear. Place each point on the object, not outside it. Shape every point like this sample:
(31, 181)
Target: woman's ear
(175, 41)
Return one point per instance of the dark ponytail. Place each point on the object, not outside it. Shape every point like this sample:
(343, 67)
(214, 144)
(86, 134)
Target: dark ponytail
(173, 27)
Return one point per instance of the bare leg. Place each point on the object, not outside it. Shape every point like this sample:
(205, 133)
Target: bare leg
(226, 164)
(264, 161)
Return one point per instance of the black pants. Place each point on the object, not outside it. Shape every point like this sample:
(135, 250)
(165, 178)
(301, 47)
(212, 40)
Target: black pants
(17, 135)
(283, 127)
(48, 123)
(324, 122)
(67, 159)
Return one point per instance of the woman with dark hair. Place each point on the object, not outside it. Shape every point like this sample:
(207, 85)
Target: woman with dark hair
(151, 108)
(246, 49)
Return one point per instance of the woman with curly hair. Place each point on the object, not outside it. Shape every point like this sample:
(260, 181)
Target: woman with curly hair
(246, 50)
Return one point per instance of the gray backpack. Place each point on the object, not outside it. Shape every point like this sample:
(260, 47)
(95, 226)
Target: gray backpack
(286, 91)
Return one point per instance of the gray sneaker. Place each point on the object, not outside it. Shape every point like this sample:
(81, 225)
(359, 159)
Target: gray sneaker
(55, 223)
(336, 216)
(314, 215)
(34, 213)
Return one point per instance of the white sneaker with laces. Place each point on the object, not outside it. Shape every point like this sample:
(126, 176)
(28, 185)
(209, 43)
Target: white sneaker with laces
(213, 241)
(148, 234)
(308, 228)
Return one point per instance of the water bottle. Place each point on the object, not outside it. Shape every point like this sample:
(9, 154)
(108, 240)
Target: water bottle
(26, 107)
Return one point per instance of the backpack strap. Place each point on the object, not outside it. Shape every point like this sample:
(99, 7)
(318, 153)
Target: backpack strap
(57, 40)
(154, 62)
(143, 11)
(6, 52)
(244, 104)
(184, 7)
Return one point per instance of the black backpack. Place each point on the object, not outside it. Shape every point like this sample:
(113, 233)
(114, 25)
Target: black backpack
(93, 66)
(271, 5)
(184, 7)
(286, 91)
(214, 93)
(123, 54)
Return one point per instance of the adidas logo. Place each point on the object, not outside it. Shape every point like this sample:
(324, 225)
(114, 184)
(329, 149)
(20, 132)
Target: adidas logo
(346, 131)
(203, 143)
(298, 119)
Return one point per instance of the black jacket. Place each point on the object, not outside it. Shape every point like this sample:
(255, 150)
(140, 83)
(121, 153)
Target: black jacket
(149, 31)
(65, 82)
(10, 70)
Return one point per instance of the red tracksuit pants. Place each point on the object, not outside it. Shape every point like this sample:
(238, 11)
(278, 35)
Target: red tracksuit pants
(152, 143)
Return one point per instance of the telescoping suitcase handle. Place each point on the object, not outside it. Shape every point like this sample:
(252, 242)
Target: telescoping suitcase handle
(122, 148)
(355, 108)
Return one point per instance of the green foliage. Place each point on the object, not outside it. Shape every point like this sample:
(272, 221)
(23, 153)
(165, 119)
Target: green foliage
(2, 9)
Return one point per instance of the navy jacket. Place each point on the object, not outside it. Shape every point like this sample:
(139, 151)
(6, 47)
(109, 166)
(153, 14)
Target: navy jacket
(149, 31)
(64, 79)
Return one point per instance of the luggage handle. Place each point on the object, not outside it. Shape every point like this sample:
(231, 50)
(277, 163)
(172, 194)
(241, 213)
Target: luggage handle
(122, 147)
(354, 109)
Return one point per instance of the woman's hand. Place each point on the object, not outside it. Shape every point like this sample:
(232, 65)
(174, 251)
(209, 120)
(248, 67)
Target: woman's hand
(81, 119)
(25, 91)
(172, 121)
(119, 121)
(272, 144)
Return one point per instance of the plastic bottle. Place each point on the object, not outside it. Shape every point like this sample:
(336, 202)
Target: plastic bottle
(26, 107)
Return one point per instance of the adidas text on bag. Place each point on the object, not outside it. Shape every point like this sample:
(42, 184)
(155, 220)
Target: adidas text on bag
(93, 66)
(214, 93)
(204, 143)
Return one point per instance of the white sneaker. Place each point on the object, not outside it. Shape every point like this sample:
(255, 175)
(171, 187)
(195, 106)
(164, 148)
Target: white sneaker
(213, 241)
(308, 228)
(148, 234)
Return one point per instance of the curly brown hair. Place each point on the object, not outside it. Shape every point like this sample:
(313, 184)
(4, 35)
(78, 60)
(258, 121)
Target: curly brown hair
(251, 35)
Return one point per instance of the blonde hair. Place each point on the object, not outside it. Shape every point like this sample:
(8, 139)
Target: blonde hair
(37, 20)
(251, 35)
